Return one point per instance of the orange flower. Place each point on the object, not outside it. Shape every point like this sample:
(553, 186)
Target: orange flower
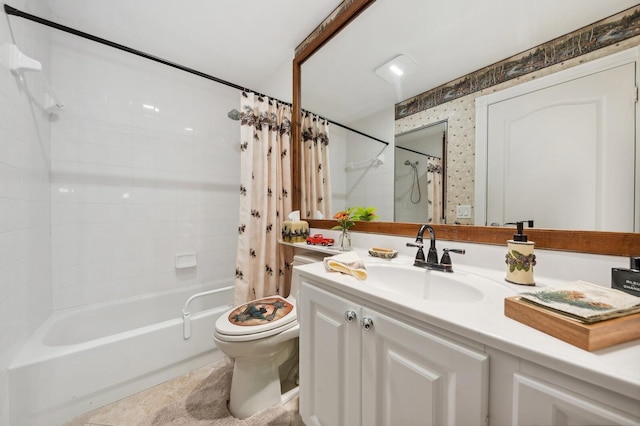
(345, 218)
(343, 215)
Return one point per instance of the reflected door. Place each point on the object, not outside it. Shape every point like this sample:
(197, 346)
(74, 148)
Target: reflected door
(560, 155)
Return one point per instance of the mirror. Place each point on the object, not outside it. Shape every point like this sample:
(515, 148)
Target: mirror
(354, 94)
(439, 72)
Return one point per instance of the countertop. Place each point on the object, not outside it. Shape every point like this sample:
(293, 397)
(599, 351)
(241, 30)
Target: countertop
(616, 368)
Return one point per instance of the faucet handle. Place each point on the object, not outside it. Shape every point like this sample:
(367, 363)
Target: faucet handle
(420, 254)
(446, 259)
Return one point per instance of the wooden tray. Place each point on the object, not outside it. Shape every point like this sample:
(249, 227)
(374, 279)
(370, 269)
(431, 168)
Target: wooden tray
(590, 337)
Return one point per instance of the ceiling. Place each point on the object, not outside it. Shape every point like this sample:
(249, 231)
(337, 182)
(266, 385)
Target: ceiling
(243, 42)
(252, 43)
(447, 39)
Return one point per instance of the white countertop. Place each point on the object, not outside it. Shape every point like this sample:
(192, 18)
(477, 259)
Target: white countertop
(616, 368)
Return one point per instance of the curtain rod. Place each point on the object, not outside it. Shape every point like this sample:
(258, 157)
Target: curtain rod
(416, 152)
(9, 10)
(358, 132)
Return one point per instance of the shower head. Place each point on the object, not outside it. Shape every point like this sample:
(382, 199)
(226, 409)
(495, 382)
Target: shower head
(407, 162)
(234, 114)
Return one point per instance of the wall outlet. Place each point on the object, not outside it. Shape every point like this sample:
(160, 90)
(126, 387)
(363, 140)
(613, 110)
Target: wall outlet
(463, 212)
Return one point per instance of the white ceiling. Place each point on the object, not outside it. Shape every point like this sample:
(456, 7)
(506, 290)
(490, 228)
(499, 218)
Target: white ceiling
(243, 42)
(248, 42)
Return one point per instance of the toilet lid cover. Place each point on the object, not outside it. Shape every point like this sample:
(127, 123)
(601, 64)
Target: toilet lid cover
(257, 316)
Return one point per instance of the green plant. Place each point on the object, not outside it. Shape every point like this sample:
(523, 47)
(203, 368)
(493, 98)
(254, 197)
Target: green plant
(346, 218)
(365, 214)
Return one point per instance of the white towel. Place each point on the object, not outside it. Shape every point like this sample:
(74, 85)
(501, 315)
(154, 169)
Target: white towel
(347, 263)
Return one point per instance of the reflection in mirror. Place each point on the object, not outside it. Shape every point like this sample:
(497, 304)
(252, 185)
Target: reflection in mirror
(560, 149)
(487, 31)
(420, 168)
(362, 167)
(352, 90)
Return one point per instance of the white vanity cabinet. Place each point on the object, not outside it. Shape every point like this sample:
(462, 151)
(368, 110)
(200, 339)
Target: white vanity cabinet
(359, 366)
(542, 396)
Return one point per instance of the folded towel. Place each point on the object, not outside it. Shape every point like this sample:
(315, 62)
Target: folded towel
(347, 263)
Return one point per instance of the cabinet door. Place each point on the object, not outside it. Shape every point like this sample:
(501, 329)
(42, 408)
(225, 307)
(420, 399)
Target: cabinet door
(536, 402)
(413, 377)
(330, 358)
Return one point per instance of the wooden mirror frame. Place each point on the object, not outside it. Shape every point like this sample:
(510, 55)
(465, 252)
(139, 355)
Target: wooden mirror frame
(595, 242)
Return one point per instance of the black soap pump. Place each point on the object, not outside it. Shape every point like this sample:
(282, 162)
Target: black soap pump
(520, 259)
(627, 280)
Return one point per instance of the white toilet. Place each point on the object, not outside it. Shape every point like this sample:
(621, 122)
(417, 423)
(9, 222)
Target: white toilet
(265, 353)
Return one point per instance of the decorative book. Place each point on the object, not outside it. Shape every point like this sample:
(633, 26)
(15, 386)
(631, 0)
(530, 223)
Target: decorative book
(584, 301)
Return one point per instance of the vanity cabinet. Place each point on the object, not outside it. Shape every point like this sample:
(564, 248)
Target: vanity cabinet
(538, 402)
(360, 366)
(542, 396)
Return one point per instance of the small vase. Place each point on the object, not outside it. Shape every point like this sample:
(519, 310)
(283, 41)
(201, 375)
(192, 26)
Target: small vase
(344, 243)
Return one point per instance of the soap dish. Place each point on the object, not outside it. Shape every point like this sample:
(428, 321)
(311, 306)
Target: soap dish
(383, 253)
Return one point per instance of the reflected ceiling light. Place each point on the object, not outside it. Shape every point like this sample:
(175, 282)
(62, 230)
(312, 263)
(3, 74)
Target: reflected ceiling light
(391, 71)
(150, 107)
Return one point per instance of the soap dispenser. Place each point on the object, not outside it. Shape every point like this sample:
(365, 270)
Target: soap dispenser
(627, 280)
(520, 259)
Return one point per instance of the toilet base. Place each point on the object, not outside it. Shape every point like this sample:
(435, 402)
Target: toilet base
(256, 383)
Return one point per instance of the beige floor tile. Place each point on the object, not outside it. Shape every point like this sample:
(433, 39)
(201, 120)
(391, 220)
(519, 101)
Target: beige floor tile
(142, 407)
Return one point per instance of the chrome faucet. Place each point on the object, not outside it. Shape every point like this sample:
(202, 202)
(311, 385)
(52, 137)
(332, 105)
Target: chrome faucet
(431, 261)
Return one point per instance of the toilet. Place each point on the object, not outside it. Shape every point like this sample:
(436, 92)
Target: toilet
(262, 337)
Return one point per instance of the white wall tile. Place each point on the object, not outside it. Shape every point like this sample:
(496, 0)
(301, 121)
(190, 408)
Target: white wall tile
(25, 214)
(140, 187)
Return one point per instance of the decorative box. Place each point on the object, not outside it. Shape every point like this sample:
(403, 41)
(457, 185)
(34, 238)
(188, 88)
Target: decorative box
(295, 231)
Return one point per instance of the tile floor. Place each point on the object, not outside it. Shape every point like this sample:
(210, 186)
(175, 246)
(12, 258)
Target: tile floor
(143, 407)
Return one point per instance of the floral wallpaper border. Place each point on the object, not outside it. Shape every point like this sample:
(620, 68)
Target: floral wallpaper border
(603, 33)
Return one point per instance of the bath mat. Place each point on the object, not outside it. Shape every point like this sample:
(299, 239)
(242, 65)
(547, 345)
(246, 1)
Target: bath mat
(198, 398)
(207, 405)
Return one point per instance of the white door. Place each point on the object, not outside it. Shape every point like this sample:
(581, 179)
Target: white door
(563, 155)
(330, 358)
(412, 377)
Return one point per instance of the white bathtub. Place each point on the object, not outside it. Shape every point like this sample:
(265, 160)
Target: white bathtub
(83, 358)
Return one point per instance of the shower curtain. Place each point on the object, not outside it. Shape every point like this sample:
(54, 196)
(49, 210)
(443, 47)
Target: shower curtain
(314, 168)
(434, 190)
(262, 265)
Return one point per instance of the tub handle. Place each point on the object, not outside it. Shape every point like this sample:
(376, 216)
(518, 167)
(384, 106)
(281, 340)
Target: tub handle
(186, 324)
(186, 315)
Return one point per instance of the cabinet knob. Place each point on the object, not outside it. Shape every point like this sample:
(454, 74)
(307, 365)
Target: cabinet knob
(367, 323)
(350, 316)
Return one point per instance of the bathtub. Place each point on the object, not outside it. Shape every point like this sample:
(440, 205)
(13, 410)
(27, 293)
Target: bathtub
(83, 358)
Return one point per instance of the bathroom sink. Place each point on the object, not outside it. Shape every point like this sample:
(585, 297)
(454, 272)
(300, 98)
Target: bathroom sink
(421, 283)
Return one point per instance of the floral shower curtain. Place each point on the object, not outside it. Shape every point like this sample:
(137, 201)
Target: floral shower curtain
(434, 189)
(314, 167)
(262, 265)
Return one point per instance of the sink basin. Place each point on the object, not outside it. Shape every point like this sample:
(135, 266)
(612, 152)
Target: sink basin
(421, 283)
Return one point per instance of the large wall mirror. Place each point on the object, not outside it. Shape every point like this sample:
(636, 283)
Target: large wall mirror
(335, 77)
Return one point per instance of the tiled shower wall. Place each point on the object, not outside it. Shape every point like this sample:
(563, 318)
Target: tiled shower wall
(144, 167)
(371, 185)
(25, 242)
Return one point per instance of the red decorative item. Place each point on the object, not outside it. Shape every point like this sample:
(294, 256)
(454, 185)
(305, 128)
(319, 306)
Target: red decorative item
(320, 239)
